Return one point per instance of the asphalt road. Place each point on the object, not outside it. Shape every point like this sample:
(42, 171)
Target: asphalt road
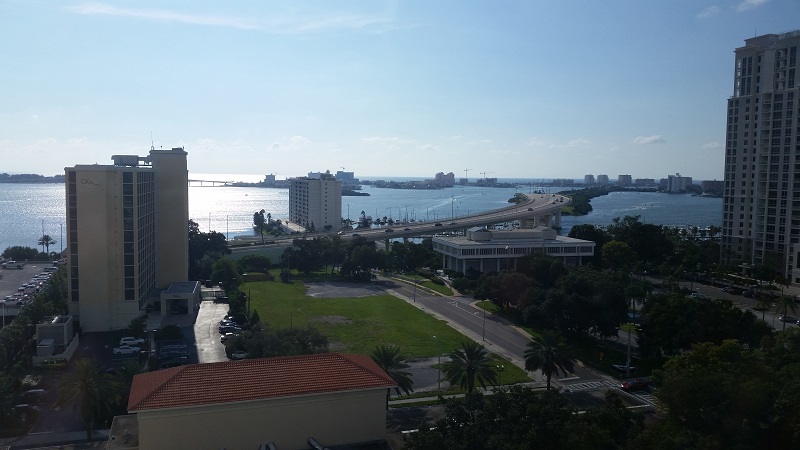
(498, 335)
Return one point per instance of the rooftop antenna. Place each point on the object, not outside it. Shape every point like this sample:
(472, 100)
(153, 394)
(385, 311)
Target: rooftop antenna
(152, 144)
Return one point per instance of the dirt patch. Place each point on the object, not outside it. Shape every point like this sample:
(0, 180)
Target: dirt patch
(342, 289)
(331, 320)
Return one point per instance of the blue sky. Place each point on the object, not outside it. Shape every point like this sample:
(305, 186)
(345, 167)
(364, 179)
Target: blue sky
(511, 89)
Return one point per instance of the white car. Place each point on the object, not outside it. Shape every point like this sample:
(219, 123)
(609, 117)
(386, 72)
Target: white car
(126, 350)
(129, 340)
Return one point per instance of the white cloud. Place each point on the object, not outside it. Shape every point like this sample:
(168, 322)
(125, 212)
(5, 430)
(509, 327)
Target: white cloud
(577, 143)
(161, 15)
(47, 141)
(750, 4)
(78, 141)
(708, 12)
(276, 22)
(646, 140)
(536, 142)
(713, 144)
(427, 147)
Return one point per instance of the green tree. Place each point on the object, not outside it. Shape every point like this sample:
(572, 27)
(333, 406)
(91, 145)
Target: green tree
(95, 393)
(46, 241)
(389, 358)
(618, 255)
(785, 305)
(546, 353)
(226, 271)
(470, 363)
(716, 396)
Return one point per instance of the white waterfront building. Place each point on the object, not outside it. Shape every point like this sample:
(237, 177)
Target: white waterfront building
(315, 201)
(761, 223)
(127, 235)
(486, 250)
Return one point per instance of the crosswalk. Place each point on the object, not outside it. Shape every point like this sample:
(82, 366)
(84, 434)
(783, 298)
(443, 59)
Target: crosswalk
(645, 396)
(588, 386)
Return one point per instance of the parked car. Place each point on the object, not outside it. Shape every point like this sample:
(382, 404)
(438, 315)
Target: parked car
(54, 363)
(636, 384)
(174, 362)
(788, 319)
(173, 347)
(623, 369)
(437, 224)
(126, 350)
(33, 395)
(229, 329)
(130, 340)
(169, 354)
(388, 230)
(239, 354)
(225, 337)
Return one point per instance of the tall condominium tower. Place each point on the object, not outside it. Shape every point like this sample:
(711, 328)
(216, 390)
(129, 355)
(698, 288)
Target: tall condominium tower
(315, 202)
(127, 235)
(761, 209)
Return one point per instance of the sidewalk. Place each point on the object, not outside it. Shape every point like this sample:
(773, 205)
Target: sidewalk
(538, 385)
(65, 440)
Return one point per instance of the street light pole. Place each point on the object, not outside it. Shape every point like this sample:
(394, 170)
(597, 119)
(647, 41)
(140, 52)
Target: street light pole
(484, 325)
(439, 365)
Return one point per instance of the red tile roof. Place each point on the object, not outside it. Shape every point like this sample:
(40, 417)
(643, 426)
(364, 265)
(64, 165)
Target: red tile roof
(254, 379)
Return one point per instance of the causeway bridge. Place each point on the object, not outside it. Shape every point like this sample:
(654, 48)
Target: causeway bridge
(533, 210)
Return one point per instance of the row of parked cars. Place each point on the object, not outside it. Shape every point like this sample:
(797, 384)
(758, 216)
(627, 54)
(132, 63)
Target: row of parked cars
(229, 327)
(26, 292)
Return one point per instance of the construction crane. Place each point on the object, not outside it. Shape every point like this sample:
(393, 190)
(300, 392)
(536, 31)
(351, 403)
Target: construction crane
(484, 174)
(466, 173)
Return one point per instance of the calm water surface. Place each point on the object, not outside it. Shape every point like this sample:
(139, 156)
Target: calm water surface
(29, 210)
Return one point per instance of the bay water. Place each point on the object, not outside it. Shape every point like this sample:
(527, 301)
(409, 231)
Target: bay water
(27, 211)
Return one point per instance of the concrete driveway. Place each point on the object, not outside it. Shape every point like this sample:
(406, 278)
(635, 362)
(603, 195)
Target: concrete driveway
(206, 332)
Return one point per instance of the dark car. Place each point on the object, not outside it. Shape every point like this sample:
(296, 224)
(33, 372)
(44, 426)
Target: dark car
(174, 362)
(406, 229)
(788, 319)
(388, 230)
(636, 384)
(623, 369)
(437, 224)
(229, 329)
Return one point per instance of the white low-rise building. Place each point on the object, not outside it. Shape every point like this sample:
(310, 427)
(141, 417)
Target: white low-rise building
(487, 250)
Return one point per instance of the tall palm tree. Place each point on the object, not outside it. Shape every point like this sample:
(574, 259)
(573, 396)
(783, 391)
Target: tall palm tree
(546, 353)
(469, 363)
(389, 358)
(95, 393)
(46, 241)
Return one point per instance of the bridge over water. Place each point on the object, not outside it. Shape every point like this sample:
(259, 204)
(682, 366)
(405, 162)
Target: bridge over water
(534, 210)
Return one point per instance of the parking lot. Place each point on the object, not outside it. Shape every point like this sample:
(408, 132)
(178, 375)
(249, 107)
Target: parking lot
(13, 279)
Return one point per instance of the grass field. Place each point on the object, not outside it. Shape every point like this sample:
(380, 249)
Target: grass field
(358, 325)
(353, 324)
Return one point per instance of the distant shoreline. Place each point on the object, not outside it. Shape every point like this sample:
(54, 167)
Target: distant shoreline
(30, 178)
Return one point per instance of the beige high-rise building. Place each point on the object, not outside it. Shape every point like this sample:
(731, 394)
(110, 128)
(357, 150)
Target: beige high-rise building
(127, 235)
(762, 157)
(315, 202)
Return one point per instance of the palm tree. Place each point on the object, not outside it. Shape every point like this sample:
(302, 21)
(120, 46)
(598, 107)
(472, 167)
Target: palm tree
(389, 358)
(94, 392)
(785, 305)
(469, 363)
(46, 241)
(546, 353)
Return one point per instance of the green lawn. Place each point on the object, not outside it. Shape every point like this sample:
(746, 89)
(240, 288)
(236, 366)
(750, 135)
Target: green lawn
(357, 325)
(353, 324)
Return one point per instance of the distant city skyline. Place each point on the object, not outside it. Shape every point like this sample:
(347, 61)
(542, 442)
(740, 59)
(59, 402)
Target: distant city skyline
(392, 89)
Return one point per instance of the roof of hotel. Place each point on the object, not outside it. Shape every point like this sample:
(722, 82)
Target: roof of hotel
(255, 379)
